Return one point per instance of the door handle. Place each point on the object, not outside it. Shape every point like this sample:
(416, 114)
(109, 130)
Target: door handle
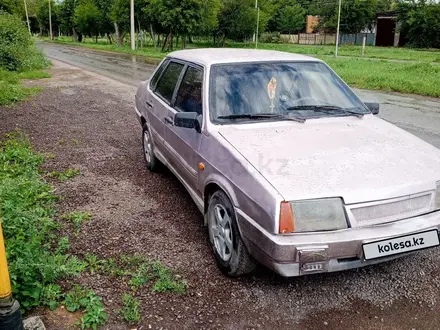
(169, 120)
(149, 104)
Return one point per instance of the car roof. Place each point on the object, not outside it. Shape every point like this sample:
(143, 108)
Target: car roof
(211, 56)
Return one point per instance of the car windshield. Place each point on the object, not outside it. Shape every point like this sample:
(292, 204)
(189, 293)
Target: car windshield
(293, 89)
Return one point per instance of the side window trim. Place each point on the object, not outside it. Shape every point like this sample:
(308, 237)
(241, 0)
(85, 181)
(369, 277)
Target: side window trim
(178, 84)
(170, 61)
(176, 91)
(164, 66)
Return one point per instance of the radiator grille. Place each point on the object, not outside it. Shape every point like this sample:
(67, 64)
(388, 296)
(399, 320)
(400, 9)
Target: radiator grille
(392, 211)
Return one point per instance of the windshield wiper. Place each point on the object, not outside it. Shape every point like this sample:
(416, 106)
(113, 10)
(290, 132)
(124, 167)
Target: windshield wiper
(261, 116)
(325, 108)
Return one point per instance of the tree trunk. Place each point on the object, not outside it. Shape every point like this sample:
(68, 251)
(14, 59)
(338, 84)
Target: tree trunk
(122, 37)
(117, 34)
(153, 37)
(224, 40)
(109, 37)
(96, 39)
(171, 41)
(165, 42)
(74, 35)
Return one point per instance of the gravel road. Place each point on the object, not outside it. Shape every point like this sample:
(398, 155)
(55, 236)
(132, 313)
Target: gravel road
(86, 120)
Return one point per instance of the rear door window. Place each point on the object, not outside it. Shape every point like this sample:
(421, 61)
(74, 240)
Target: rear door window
(167, 83)
(189, 97)
(157, 74)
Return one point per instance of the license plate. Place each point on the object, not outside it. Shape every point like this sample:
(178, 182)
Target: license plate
(402, 244)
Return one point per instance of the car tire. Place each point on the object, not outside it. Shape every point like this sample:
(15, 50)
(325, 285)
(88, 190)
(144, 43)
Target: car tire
(152, 163)
(229, 250)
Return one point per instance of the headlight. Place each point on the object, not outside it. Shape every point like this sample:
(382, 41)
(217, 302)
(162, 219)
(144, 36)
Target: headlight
(437, 197)
(312, 215)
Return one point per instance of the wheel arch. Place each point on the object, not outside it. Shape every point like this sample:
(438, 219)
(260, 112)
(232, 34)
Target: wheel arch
(213, 186)
(143, 121)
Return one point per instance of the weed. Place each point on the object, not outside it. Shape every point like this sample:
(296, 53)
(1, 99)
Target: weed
(36, 257)
(63, 245)
(143, 270)
(77, 298)
(111, 267)
(50, 295)
(77, 218)
(93, 263)
(86, 300)
(166, 280)
(131, 310)
(49, 155)
(65, 175)
(141, 277)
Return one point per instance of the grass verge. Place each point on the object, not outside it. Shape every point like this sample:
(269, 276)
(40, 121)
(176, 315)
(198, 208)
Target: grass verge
(386, 53)
(36, 255)
(420, 78)
(12, 89)
(414, 78)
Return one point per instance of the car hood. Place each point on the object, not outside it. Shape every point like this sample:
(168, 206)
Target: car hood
(359, 160)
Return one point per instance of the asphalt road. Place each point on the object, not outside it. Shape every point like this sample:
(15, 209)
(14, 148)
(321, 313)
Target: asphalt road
(418, 115)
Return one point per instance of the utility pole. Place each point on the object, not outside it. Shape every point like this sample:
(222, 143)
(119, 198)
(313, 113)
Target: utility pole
(10, 315)
(50, 20)
(258, 23)
(133, 44)
(337, 29)
(27, 17)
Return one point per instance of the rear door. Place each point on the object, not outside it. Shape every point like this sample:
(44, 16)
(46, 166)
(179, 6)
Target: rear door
(159, 102)
(183, 142)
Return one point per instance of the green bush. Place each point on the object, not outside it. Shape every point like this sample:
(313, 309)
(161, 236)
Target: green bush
(18, 51)
(34, 252)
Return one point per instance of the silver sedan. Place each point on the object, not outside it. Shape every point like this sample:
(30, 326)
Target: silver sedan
(287, 165)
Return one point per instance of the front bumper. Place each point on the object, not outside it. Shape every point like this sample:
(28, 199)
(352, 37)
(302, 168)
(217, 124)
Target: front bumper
(302, 254)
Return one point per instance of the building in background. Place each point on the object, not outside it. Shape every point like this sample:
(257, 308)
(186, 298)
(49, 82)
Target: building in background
(387, 29)
(311, 23)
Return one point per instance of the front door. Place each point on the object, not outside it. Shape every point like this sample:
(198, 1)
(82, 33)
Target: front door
(183, 142)
(159, 104)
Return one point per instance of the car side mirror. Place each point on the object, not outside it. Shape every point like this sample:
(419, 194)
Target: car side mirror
(188, 120)
(373, 107)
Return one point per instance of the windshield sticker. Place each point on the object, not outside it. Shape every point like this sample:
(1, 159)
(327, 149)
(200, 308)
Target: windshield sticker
(271, 92)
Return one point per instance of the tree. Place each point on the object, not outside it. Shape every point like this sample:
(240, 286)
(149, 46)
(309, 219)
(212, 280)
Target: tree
(86, 19)
(356, 15)
(237, 19)
(66, 13)
(291, 19)
(43, 16)
(208, 23)
(12, 6)
(175, 17)
(420, 23)
(105, 23)
(120, 16)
